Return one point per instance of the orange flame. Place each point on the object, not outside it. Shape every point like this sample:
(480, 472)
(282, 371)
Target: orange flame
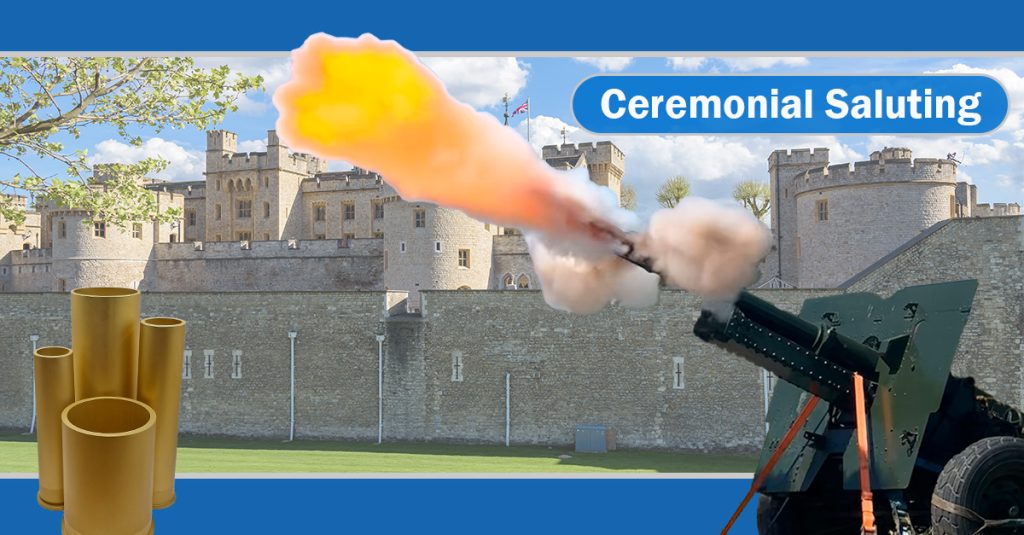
(372, 103)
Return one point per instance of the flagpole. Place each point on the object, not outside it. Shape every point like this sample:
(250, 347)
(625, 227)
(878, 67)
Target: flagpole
(529, 113)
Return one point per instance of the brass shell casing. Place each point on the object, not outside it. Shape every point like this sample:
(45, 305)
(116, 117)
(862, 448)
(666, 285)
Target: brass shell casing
(105, 339)
(161, 346)
(108, 467)
(55, 390)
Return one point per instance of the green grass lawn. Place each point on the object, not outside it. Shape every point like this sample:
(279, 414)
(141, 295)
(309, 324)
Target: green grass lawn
(18, 455)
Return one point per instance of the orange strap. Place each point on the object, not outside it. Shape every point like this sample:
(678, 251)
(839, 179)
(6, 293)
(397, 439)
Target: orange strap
(768, 466)
(867, 506)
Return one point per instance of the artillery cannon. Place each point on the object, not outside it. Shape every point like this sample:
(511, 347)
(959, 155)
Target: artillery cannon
(939, 455)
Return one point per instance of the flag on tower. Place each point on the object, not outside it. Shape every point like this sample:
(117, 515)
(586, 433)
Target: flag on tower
(523, 108)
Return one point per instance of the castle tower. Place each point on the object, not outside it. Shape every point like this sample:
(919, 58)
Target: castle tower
(254, 195)
(427, 247)
(849, 216)
(605, 162)
(782, 167)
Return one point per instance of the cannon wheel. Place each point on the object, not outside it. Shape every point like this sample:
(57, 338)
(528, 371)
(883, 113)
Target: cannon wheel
(808, 514)
(983, 482)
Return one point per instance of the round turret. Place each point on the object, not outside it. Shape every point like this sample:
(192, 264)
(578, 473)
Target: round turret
(849, 216)
(427, 247)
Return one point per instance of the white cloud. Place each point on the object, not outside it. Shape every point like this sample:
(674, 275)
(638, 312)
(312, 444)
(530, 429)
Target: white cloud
(755, 63)
(713, 164)
(607, 63)
(274, 71)
(970, 150)
(480, 82)
(687, 64)
(252, 145)
(182, 164)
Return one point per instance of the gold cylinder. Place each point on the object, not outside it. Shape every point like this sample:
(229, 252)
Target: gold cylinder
(55, 390)
(161, 346)
(105, 339)
(108, 467)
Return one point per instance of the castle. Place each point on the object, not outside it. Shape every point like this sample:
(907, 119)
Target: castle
(279, 220)
(265, 353)
(830, 222)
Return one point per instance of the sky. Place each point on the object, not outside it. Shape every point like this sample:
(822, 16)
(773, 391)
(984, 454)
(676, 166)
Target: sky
(713, 164)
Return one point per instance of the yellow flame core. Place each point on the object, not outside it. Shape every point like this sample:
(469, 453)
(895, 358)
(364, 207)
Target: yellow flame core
(361, 94)
(373, 104)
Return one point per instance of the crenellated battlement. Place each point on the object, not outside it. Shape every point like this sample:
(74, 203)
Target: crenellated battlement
(876, 171)
(817, 155)
(356, 179)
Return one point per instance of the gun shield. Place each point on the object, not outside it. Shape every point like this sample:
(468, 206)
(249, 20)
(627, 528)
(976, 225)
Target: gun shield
(161, 346)
(55, 390)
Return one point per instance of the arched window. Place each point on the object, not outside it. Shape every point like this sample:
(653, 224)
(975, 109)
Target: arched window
(231, 185)
(508, 282)
(248, 184)
(238, 185)
(266, 210)
(524, 282)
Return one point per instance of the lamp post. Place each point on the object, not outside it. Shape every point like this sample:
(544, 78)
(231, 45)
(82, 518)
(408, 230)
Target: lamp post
(291, 419)
(379, 334)
(32, 426)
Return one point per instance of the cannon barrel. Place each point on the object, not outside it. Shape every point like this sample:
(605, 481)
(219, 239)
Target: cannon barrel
(816, 358)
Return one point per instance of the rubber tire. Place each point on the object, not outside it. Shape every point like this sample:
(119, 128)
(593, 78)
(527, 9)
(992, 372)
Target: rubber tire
(964, 477)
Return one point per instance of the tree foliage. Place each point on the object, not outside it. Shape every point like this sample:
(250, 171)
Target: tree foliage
(755, 195)
(627, 197)
(48, 100)
(673, 190)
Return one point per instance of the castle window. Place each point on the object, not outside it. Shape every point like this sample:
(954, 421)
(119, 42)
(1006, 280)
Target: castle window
(510, 232)
(137, 231)
(216, 212)
(378, 210)
(236, 364)
(217, 238)
(266, 210)
(678, 377)
(174, 238)
(99, 229)
(218, 185)
(401, 246)
(321, 237)
(319, 212)
(62, 230)
(208, 363)
(349, 211)
(437, 247)
(266, 236)
(349, 236)
(464, 258)
(822, 206)
(191, 215)
(62, 285)
(508, 282)
(457, 366)
(186, 368)
(524, 282)
(385, 260)
(266, 182)
(378, 234)
(419, 218)
(244, 236)
(244, 209)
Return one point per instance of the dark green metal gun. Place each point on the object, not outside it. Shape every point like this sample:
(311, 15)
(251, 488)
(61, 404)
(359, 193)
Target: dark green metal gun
(945, 457)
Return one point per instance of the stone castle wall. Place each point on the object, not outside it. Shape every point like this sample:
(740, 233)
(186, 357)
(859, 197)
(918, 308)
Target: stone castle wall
(615, 367)
(303, 265)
